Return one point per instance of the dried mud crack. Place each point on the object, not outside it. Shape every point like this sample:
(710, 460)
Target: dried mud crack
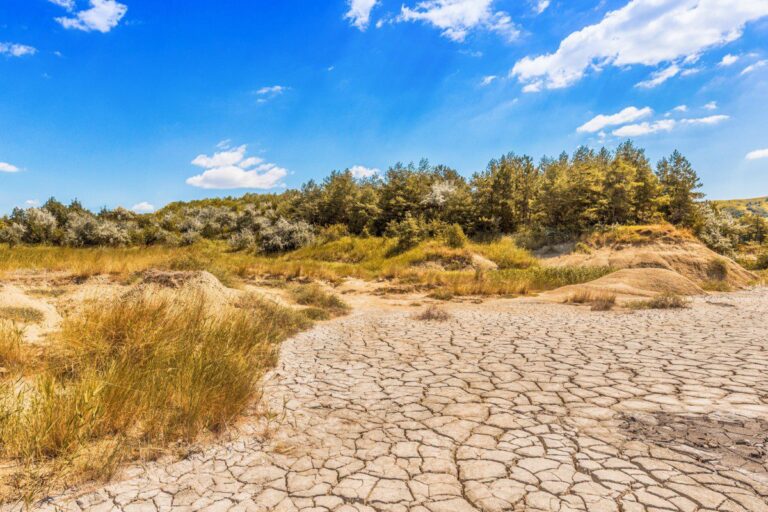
(506, 406)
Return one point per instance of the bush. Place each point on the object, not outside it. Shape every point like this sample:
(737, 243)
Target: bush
(407, 232)
(432, 314)
(314, 295)
(283, 235)
(761, 263)
(454, 236)
(663, 301)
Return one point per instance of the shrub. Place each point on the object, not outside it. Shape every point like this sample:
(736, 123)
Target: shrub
(21, 315)
(600, 301)
(283, 235)
(407, 232)
(761, 263)
(432, 314)
(454, 236)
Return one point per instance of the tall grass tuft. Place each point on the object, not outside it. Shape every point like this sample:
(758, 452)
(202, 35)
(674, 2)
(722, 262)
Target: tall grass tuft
(314, 295)
(140, 374)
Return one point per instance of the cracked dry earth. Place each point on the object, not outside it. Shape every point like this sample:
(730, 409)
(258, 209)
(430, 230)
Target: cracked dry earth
(509, 405)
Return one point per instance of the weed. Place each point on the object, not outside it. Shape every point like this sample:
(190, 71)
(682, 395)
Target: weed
(433, 314)
(315, 295)
(600, 301)
(662, 301)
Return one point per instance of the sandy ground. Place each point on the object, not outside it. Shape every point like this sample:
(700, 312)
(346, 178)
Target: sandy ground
(508, 405)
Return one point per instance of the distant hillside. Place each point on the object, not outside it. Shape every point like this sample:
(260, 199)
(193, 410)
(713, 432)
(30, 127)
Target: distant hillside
(739, 207)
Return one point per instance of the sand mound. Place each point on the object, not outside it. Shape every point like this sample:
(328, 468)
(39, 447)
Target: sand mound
(689, 258)
(631, 283)
(182, 283)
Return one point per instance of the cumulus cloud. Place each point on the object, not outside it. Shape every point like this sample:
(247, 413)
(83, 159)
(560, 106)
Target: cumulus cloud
(665, 125)
(659, 77)
(645, 128)
(457, 18)
(359, 14)
(627, 115)
(230, 169)
(728, 60)
(32, 203)
(360, 171)
(16, 50)
(752, 67)
(712, 105)
(143, 207)
(541, 6)
(757, 154)
(681, 108)
(645, 32)
(103, 16)
(6, 167)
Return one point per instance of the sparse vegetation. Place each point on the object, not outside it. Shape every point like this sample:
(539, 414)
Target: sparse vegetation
(314, 295)
(21, 315)
(433, 314)
(661, 301)
(598, 300)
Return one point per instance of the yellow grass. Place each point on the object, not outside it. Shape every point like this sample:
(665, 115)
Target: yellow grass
(637, 235)
(128, 379)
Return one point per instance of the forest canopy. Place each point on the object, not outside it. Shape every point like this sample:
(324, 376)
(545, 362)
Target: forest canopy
(553, 200)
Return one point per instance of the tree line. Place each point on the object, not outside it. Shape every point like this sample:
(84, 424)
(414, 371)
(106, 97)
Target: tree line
(553, 200)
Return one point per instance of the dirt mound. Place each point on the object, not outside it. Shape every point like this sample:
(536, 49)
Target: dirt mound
(631, 283)
(687, 257)
(187, 282)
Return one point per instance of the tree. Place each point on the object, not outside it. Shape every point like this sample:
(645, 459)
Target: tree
(679, 185)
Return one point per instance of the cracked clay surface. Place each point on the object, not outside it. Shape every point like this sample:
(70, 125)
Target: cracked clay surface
(509, 405)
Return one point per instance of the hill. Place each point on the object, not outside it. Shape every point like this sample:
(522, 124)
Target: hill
(740, 207)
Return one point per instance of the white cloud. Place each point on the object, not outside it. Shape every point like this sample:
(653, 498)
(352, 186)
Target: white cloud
(659, 77)
(6, 167)
(752, 67)
(143, 207)
(627, 115)
(230, 169)
(16, 50)
(360, 171)
(269, 92)
(728, 60)
(359, 13)
(67, 4)
(681, 108)
(541, 6)
(488, 80)
(712, 105)
(31, 203)
(457, 18)
(707, 120)
(757, 154)
(665, 125)
(103, 16)
(646, 128)
(646, 32)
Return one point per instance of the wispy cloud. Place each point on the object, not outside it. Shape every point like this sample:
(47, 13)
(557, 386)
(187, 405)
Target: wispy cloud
(488, 80)
(601, 121)
(643, 32)
(16, 50)
(659, 77)
(541, 6)
(103, 16)
(665, 125)
(757, 154)
(230, 169)
(67, 4)
(269, 92)
(712, 105)
(359, 13)
(753, 67)
(457, 18)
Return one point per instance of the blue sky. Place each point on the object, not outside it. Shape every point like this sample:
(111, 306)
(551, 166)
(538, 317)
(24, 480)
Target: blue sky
(139, 102)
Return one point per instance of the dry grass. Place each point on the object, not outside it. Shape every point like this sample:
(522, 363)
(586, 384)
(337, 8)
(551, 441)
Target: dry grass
(637, 235)
(432, 314)
(314, 295)
(21, 315)
(600, 301)
(131, 378)
(663, 301)
(14, 355)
